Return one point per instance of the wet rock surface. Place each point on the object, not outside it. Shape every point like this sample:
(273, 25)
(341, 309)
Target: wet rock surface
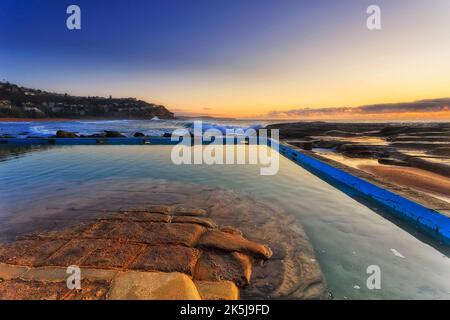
(65, 134)
(212, 236)
(414, 142)
(398, 156)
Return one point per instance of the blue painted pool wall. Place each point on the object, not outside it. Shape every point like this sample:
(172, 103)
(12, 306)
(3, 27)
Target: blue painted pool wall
(103, 141)
(430, 221)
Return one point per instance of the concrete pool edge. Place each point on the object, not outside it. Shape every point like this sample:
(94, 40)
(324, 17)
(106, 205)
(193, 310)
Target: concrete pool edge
(87, 141)
(428, 220)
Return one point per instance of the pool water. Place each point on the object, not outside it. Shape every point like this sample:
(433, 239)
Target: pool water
(347, 236)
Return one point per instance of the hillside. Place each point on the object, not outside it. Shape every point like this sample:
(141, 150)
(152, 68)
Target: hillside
(20, 102)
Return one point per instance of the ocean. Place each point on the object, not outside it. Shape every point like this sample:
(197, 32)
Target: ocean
(126, 127)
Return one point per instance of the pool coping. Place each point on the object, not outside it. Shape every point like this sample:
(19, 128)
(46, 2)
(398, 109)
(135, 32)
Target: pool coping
(87, 141)
(108, 141)
(428, 220)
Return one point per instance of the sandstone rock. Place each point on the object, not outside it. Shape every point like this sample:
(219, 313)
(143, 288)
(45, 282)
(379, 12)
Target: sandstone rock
(393, 162)
(66, 230)
(175, 233)
(66, 134)
(58, 274)
(233, 242)
(29, 252)
(425, 164)
(46, 274)
(329, 144)
(130, 231)
(199, 220)
(112, 254)
(19, 289)
(32, 290)
(168, 259)
(90, 290)
(217, 290)
(340, 133)
(72, 253)
(234, 267)
(186, 211)
(365, 151)
(419, 145)
(153, 286)
(100, 230)
(186, 234)
(266, 279)
(8, 272)
(284, 275)
(150, 208)
(232, 230)
(145, 216)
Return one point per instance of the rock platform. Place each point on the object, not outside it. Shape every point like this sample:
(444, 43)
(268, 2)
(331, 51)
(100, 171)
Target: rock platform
(215, 245)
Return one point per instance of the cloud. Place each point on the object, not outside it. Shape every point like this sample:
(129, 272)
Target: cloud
(422, 106)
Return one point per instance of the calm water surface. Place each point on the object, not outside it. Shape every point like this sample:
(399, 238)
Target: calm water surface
(346, 235)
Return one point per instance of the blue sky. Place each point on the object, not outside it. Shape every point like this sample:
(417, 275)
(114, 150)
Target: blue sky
(225, 56)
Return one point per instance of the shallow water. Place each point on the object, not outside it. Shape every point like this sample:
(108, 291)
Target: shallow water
(347, 236)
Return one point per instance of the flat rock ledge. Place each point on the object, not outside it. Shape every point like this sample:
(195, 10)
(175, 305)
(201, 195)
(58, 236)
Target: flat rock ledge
(50, 283)
(228, 243)
(152, 252)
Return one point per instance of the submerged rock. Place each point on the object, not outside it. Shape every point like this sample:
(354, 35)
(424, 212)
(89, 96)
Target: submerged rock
(365, 151)
(223, 236)
(233, 242)
(190, 211)
(217, 290)
(113, 134)
(138, 135)
(172, 258)
(393, 162)
(66, 134)
(218, 266)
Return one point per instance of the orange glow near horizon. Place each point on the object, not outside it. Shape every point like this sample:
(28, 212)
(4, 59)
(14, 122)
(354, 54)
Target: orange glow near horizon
(405, 116)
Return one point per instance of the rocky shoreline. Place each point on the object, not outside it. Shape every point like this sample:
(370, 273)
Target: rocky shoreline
(21, 102)
(413, 155)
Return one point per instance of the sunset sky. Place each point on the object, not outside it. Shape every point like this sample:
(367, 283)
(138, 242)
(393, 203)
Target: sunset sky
(238, 58)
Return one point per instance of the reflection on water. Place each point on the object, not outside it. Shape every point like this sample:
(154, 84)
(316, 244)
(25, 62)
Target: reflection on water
(347, 236)
(364, 140)
(351, 162)
(8, 152)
